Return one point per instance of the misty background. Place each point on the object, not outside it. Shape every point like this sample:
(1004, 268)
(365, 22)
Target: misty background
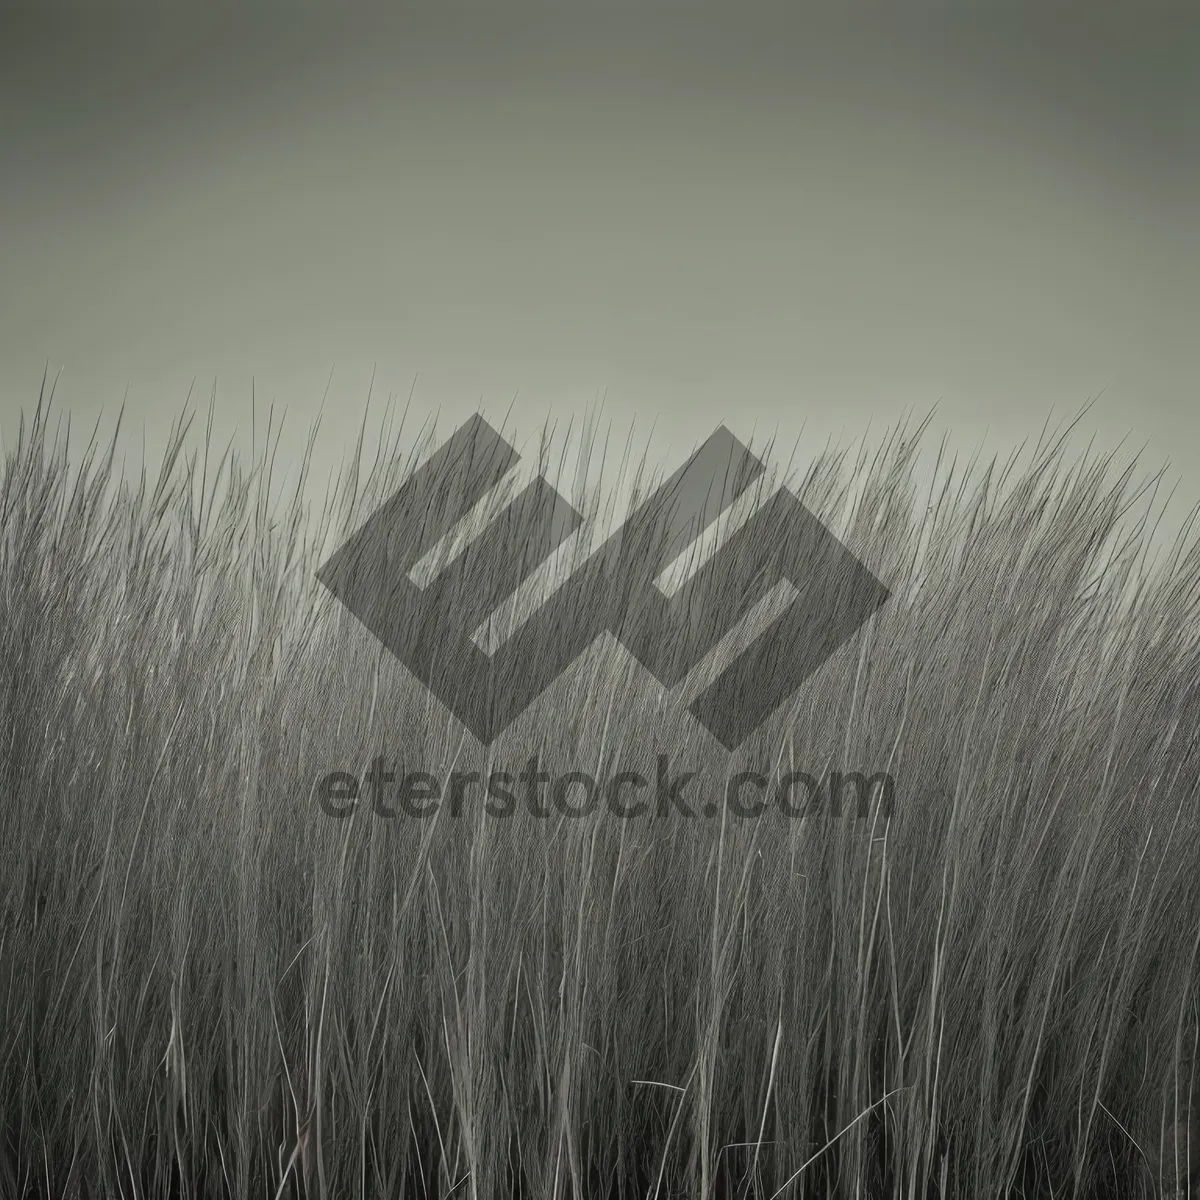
(802, 222)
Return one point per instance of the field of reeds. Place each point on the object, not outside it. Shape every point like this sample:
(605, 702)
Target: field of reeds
(211, 988)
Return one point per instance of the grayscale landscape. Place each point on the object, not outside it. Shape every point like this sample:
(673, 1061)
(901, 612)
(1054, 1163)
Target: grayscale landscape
(393, 808)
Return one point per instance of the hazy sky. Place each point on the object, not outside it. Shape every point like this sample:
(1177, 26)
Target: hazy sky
(763, 216)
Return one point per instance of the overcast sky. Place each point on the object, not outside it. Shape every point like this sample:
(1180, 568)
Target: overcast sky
(772, 218)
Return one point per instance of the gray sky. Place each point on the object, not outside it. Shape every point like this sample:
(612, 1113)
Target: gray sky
(762, 216)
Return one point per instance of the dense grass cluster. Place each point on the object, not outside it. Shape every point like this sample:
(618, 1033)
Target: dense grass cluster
(211, 988)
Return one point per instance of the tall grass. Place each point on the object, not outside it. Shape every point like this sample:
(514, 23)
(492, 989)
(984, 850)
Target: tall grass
(211, 988)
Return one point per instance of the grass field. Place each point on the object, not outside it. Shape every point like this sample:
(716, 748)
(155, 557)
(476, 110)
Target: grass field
(209, 987)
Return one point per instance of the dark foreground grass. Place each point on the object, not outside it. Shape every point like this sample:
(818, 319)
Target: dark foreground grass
(210, 988)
